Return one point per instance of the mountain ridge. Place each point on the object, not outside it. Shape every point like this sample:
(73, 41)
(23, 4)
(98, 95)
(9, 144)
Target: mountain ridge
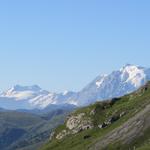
(118, 83)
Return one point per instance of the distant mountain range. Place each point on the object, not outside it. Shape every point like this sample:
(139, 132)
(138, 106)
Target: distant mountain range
(118, 83)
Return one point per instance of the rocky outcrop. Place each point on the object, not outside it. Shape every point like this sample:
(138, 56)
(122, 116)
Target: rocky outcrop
(79, 123)
(62, 134)
(111, 120)
(51, 136)
(76, 124)
(74, 121)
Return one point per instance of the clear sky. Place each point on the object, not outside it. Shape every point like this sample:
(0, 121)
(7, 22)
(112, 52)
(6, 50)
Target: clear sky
(64, 44)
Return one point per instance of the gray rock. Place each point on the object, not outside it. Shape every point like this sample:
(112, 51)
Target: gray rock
(76, 124)
(62, 134)
(51, 136)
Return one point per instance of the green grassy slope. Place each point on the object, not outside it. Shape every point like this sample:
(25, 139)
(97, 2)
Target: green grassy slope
(132, 105)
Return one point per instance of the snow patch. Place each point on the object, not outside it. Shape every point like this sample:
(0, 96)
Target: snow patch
(99, 83)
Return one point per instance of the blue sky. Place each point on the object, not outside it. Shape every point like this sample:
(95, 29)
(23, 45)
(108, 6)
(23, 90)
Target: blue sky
(64, 44)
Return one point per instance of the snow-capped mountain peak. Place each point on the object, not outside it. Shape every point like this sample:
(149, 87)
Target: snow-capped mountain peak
(131, 69)
(25, 88)
(133, 74)
(34, 97)
(22, 92)
(118, 83)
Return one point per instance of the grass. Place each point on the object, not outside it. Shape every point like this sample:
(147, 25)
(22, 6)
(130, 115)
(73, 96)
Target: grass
(130, 104)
